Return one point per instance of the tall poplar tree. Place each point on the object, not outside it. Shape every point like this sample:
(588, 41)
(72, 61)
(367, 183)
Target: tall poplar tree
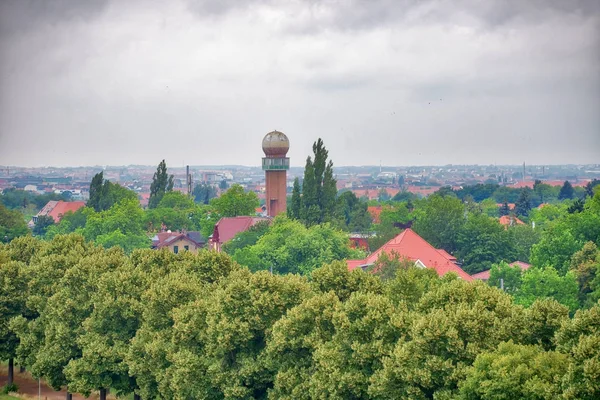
(96, 191)
(318, 188)
(161, 183)
(296, 203)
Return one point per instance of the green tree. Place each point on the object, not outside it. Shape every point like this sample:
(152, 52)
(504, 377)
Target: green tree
(455, 322)
(58, 279)
(12, 224)
(387, 266)
(539, 283)
(247, 238)
(439, 220)
(544, 191)
(318, 187)
(12, 303)
(404, 195)
(104, 194)
(481, 242)
(589, 188)
(523, 237)
(504, 209)
(523, 203)
(566, 191)
(515, 371)
(203, 193)
(580, 339)
(235, 201)
(161, 184)
(96, 191)
(295, 339)
(239, 319)
(290, 247)
(351, 214)
(542, 320)
(555, 249)
(586, 265)
(367, 327)
(42, 224)
(69, 223)
(295, 208)
(121, 225)
(506, 276)
(489, 207)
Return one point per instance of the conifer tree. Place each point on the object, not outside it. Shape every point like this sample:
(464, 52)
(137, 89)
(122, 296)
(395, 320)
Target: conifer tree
(296, 203)
(523, 204)
(504, 210)
(161, 183)
(566, 191)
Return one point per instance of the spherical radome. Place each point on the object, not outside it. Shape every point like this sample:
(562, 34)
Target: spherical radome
(275, 144)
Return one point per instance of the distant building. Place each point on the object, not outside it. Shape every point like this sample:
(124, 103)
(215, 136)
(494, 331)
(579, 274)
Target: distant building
(275, 164)
(410, 246)
(360, 240)
(485, 275)
(228, 227)
(179, 241)
(375, 212)
(56, 210)
(508, 220)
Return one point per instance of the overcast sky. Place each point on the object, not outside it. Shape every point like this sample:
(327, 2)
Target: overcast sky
(401, 82)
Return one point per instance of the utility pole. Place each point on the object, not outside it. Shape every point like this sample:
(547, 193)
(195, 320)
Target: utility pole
(502, 284)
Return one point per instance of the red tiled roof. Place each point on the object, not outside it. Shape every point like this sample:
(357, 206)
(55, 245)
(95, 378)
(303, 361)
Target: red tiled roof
(413, 247)
(166, 238)
(485, 275)
(228, 227)
(508, 221)
(447, 255)
(482, 276)
(520, 264)
(375, 212)
(56, 209)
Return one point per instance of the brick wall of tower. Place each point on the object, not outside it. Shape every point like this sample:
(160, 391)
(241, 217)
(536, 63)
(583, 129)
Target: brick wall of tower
(276, 192)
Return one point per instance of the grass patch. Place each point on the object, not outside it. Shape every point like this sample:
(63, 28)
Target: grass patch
(7, 397)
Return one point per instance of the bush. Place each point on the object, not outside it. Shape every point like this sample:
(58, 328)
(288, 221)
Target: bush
(10, 388)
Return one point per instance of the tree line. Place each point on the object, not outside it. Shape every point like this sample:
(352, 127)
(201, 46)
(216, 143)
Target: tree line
(182, 326)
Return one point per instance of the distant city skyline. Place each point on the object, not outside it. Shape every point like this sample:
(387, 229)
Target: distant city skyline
(412, 83)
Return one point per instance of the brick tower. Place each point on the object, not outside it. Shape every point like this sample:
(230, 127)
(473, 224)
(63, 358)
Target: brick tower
(276, 145)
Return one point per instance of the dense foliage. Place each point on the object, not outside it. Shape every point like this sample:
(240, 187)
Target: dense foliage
(185, 326)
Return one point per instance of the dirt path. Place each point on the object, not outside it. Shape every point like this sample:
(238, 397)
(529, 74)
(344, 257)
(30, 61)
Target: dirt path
(29, 386)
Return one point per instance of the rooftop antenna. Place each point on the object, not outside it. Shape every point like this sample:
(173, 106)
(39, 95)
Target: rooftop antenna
(523, 171)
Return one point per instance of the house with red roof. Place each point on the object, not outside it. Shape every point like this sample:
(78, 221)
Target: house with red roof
(56, 210)
(228, 227)
(485, 275)
(508, 220)
(179, 241)
(413, 247)
(375, 212)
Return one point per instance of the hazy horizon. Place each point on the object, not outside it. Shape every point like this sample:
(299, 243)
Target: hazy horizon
(405, 83)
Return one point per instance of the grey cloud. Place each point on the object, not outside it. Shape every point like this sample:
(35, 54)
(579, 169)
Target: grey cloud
(17, 16)
(367, 14)
(107, 82)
